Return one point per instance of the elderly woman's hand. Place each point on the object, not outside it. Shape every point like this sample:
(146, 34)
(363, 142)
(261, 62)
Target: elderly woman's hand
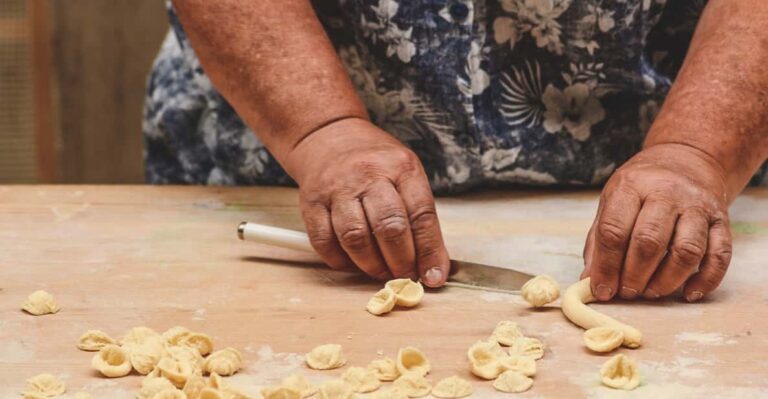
(662, 224)
(366, 202)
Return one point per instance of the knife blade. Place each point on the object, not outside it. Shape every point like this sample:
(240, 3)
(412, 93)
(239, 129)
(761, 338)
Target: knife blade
(464, 274)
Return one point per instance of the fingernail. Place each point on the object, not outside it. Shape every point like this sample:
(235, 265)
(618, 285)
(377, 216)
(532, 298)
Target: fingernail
(433, 276)
(603, 292)
(694, 296)
(652, 294)
(627, 292)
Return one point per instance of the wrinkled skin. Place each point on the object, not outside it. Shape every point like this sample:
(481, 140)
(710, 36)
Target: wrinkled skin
(366, 202)
(662, 224)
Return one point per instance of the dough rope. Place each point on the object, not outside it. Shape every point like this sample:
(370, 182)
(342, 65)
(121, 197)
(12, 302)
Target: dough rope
(575, 309)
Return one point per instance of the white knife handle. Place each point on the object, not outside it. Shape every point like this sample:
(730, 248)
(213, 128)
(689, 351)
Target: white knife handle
(275, 236)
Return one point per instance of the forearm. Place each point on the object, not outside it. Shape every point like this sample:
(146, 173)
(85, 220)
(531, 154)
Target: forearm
(719, 102)
(274, 65)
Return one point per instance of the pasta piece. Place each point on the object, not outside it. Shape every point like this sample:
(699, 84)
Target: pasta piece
(170, 394)
(413, 385)
(145, 357)
(412, 360)
(382, 302)
(540, 290)
(280, 393)
(620, 372)
(361, 380)
(299, 383)
(112, 361)
(575, 309)
(174, 334)
(452, 388)
(211, 393)
(40, 303)
(408, 292)
(484, 359)
(201, 342)
(152, 385)
(186, 355)
(522, 364)
(336, 389)
(177, 372)
(385, 369)
(94, 340)
(528, 347)
(603, 339)
(506, 332)
(224, 362)
(44, 386)
(326, 357)
(82, 395)
(512, 382)
(390, 393)
(194, 386)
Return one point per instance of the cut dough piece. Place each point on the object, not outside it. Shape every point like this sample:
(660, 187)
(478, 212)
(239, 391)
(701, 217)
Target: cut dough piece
(413, 385)
(528, 347)
(452, 388)
(603, 339)
(540, 290)
(301, 384)
(512, 382)
(94, 340)
(112, 361)
(336, 389)
(506, 332)
(139, 336)
(44, 386)
(361, 380)
(177, 372)
(326, 357)
(407, 291)
(152, 385)
(522, 364)
(390, 393)
(170, 394)
(145, 357)
(39, 303)
(385, 369)
(224, 362)
(620, 372)
(280, 393)
(382, 302)
(484, 359)
(575, 309)
(412, 360)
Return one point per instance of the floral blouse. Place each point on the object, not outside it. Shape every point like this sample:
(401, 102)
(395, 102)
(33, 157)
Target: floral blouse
(485, 92)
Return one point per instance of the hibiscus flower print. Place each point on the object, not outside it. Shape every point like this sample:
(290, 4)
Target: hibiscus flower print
(575, 108)
(536, 17)
(384, 30)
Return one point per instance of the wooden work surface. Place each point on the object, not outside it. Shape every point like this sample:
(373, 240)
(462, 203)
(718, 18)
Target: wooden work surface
(117, 257)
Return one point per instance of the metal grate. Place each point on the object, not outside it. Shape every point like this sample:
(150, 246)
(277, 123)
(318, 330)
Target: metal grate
(17, 138)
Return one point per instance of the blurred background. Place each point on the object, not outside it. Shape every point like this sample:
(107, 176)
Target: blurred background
(72, 78)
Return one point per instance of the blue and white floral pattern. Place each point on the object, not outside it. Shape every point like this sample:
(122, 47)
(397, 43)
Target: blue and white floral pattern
(486, 92)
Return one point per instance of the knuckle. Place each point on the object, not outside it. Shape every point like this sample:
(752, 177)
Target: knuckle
(610, 234)
(424, 217)
(688, 253)
(321, 239)
(355, 237)
(392, 227)
(648, 243)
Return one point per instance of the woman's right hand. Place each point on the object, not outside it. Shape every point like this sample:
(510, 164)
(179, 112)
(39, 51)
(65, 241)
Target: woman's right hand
(366, 202)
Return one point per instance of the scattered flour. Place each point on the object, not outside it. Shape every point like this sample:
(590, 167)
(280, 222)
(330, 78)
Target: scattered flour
(199, 314)
(64, 212)
(295, 300)
(15, 352)
(492, 297)
(704, 338)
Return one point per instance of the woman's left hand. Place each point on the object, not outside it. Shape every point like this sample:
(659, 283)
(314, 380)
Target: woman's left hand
(662, 224)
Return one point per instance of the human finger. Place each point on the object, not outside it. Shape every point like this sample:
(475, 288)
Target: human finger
(715, 264)
(388, 218)
(354, 235)
(317, 222)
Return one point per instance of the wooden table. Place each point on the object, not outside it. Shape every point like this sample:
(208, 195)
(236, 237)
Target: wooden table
(117, 257)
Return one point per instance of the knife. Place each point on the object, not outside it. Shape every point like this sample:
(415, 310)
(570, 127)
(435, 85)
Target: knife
(464, 274)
